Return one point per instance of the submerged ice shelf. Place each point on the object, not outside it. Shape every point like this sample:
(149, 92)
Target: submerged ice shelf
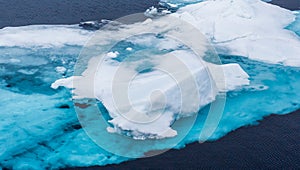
(58, 140)
(67, 146)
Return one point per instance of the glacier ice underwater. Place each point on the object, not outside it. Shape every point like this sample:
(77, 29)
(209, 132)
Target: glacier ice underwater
(54, 138)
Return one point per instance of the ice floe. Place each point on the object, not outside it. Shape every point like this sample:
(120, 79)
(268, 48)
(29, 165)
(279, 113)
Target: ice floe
(36, 130)
(155, 99)
(250, 28)
(43, 36)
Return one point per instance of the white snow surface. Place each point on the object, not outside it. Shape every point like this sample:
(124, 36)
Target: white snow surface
(45, 36)
(144, 105)
(155, 100)
(250, 28)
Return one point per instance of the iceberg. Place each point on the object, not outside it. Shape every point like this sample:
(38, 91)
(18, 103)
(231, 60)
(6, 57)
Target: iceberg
(249, 28)
(145, 93)
(41, 123)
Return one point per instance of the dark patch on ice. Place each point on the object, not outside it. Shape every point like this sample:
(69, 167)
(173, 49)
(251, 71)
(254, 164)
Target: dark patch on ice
(64, 106)
(72, 128)
(167, 6)
(94, 25)
(82, 105)
(77, 126)
(27, 84)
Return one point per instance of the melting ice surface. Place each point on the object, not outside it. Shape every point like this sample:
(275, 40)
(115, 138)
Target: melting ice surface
(162, 78)
(39, 127)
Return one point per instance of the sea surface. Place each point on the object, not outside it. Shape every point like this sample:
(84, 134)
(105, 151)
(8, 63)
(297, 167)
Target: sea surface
(18, 12)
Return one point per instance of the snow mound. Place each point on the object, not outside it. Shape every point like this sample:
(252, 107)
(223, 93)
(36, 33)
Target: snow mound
(249, 28)
(144, 94)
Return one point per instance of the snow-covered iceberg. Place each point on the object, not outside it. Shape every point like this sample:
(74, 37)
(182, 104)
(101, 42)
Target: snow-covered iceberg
(250, 28)
(145, 93)
(39, 128)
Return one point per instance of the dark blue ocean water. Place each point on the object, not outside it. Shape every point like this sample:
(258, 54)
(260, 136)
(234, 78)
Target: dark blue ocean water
(18, 12)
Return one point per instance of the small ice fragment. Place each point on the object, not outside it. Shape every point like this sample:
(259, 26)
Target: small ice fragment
(28, 72)
(113, 54)
(128, 49)
(110, 130)
(13, 60)
(61, 70)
